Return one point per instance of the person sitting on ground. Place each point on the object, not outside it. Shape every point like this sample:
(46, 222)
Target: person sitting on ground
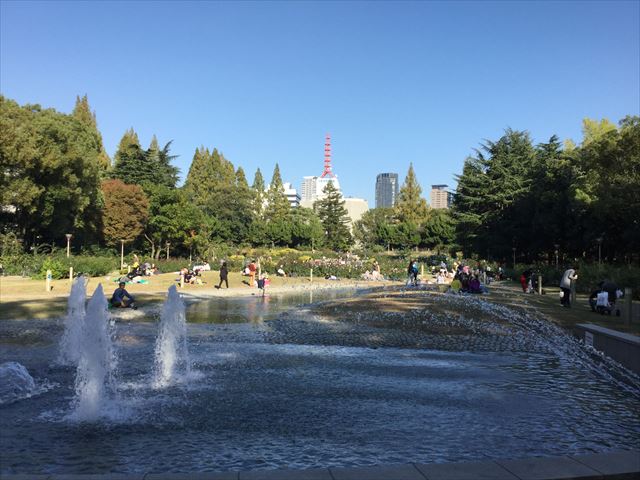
(280, 272)
(121, 298)
(593, 298)
(440, 278)
(456, 285)
(224, 275)
(474, 285)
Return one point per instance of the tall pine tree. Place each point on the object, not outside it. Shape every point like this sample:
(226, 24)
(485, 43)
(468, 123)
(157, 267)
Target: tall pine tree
(82, 112)
(411, 207)
(278, 205)
(335, 219)
(259, 195)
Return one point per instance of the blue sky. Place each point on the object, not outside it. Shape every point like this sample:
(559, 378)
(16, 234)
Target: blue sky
(393, 83)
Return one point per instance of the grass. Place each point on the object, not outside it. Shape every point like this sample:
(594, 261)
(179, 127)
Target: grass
(510, 293)
(27, 298)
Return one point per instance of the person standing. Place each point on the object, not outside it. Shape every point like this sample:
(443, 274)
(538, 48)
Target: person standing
(224, 275)
(252, 273)
(569, 275)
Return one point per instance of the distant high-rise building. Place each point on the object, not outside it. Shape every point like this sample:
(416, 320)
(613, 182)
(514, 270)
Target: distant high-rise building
(313, 186)
(386, 189)
(292, 195)
(440, 197)
(356, 207)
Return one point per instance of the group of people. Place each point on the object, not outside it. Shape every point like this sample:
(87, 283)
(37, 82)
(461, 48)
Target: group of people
(466, 281)
(603, 299)
(529, 281)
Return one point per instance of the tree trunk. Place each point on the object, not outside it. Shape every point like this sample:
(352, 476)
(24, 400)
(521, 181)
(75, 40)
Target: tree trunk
(153, 245)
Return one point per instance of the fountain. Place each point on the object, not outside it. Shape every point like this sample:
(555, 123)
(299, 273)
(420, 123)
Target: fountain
(171, 352)
(94, 383)
(304, 387)
(70, 341)
(15, 382)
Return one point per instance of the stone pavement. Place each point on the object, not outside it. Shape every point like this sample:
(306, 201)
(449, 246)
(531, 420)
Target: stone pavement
(609, 466)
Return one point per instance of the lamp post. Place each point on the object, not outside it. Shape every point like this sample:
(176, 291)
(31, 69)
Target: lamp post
(514, 257)
(121, 254)
(168, 243)
(557, 246)
(599, 240)
(68, 235)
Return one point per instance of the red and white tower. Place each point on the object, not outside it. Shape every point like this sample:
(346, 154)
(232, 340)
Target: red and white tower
(327, 158)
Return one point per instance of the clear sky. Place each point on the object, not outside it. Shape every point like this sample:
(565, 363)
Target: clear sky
(393, 83)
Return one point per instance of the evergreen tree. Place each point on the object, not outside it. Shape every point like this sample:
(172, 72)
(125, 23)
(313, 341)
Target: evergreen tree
(411, 207)
(259, 195)
(159, 162)
(469, 207)
(82, 112)
(199, 182)
(278, 206)
(376, 228)
(130, 164)
(439, 230)
(334, 218)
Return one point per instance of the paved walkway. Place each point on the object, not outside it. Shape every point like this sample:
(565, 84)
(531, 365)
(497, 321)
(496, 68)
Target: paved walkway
(616, 465)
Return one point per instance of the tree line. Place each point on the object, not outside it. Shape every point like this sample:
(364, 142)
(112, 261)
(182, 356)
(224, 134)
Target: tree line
(539, 201)
(57, 178)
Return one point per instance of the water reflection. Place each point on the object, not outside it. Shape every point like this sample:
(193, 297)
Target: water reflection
(256, 308)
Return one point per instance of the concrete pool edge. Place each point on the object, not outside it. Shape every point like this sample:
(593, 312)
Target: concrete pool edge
(619, 465)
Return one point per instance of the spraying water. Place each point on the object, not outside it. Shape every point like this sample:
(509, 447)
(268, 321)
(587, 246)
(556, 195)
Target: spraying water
(171, 352)
(96, 361)
(69, 353)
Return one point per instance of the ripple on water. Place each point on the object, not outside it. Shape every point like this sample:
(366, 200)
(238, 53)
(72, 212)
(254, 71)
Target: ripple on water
(301, 390)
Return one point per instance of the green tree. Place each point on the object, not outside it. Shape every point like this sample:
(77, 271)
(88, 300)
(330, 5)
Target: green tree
(334, 218)
(159, 163)
(49, 175)
(411, 207)
(306, 228)
(259, 195)
(439, 230)
(468, 208)
(125, 213)
(278, 206)
(175, 219)
(592, 130)
(130, 163)
(82, 112)
(376, 227)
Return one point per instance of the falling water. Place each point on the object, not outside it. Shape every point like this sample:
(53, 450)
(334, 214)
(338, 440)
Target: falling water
(171, 353)
(96, 361)
(69, 353)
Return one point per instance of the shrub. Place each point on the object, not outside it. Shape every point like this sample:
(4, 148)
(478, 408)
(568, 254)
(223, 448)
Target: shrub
(58, 269)
(94, 266)
(172, 265)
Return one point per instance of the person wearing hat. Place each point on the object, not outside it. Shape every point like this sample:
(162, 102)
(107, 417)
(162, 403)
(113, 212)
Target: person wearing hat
(121, 298)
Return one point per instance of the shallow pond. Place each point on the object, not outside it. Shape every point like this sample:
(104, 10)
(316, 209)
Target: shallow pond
(270, 392)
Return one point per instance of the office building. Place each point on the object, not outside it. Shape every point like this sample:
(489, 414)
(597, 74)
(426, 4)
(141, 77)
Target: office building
(440, 197)
(291, 194)
(356, 207)
(386, 190)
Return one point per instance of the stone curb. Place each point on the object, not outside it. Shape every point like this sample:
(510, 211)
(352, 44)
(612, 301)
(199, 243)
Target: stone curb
(609, 466)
